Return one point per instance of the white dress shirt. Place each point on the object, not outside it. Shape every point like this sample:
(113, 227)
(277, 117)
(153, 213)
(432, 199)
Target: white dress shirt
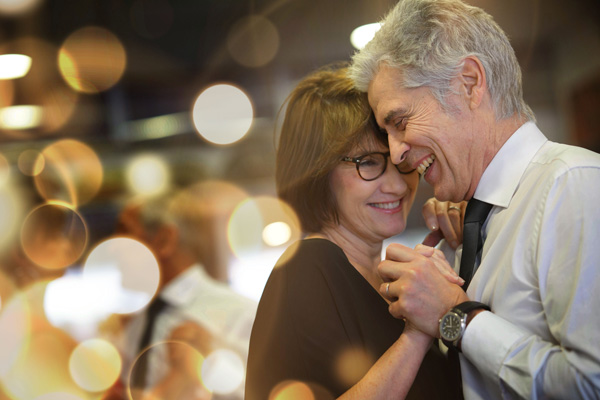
(195, 296)
(540, 273)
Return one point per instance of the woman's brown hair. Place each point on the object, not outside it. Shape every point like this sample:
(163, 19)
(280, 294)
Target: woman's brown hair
(325, 119)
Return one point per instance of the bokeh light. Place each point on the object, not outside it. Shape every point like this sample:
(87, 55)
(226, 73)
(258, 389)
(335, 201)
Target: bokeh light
(208, 205)
(222, 114)
(80, 303)
(127, 272)
(219, 198)
(59, 396)
(363, 34)
(183, 362)
(12, 209)
(14, 66)
(277, 233)
(72, 173)
(222, 371)
(148, 174)
(21, 117)
(42, 88)
(54, 235)
(4, 171)
(352, 364)
(15, 328)
(95, 365)
(7, 289)
(7, 92)
(253, 41)
(92, 60)
(292, 390)
(43, 364)
(248, 222)
(151, 18)
(30, 162)
(15, 7)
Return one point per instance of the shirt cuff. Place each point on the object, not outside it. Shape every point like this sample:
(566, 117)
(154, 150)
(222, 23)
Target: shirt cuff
(488, 340)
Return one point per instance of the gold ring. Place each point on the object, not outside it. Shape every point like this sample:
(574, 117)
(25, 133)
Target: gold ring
(454, 208)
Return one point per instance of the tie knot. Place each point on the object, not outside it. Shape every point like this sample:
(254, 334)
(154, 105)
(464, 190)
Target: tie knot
(477, 211)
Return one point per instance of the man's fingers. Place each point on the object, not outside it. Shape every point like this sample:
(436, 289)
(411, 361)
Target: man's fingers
(445, 218)
(429, 214)
(456, 214)
(444, 215)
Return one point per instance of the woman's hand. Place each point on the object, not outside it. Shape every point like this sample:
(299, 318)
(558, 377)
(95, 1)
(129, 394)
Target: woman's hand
(445, 220)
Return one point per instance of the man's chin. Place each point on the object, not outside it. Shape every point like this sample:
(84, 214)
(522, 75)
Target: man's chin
(443, 194)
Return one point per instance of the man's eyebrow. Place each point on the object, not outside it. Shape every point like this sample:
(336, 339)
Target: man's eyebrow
(393, 114)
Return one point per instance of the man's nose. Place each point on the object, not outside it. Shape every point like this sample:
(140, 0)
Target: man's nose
(398, 150)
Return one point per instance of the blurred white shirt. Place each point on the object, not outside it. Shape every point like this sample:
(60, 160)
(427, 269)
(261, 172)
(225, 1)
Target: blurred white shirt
(194, 296)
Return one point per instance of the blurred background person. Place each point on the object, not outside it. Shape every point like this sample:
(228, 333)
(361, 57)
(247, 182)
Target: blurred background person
(179, 230)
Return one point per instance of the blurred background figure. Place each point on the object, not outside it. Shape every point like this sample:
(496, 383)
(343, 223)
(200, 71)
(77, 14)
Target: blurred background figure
(193, 312)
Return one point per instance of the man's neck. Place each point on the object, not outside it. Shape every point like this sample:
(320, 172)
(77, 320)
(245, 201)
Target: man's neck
(175, 266)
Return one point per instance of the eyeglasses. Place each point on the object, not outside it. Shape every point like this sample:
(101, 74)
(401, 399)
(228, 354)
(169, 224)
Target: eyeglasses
(372, 165)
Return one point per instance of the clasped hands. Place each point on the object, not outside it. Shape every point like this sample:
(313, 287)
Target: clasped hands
(420, 283)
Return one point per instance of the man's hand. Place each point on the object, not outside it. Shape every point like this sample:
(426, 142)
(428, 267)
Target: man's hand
(417, 289)
(445, 220)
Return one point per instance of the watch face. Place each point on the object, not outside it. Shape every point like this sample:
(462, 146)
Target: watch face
(450, 327)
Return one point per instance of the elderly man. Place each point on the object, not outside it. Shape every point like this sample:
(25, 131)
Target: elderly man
(444, 83)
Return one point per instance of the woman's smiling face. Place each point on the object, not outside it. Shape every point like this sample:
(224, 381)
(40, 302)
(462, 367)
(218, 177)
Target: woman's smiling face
(372, 210)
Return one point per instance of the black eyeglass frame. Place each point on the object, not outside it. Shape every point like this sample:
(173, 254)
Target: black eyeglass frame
(357, 160)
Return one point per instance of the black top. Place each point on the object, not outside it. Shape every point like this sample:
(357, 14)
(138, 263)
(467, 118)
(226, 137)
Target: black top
(320, 322)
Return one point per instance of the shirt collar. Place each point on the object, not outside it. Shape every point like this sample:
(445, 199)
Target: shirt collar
(502, 176)
(185, 286)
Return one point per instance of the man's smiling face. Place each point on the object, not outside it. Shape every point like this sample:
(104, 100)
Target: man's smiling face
(442, 145)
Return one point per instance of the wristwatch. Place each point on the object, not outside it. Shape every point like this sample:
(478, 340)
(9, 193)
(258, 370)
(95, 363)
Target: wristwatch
(454, 322)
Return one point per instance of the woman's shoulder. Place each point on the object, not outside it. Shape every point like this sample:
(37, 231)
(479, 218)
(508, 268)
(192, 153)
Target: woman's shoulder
(312, 252)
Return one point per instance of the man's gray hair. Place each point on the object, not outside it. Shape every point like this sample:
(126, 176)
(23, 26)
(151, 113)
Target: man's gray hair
(428, 40)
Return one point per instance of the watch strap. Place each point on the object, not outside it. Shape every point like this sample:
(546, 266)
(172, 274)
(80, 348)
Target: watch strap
(464, 308)
(468, 306)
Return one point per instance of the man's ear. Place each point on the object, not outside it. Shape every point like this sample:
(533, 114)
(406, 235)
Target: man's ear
(473, 81)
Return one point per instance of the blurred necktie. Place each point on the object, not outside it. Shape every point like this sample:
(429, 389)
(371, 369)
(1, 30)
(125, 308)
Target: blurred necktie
(140, 369)
(475, 215)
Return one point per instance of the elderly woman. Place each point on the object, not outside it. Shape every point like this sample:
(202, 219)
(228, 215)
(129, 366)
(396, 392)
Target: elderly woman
(321, 323)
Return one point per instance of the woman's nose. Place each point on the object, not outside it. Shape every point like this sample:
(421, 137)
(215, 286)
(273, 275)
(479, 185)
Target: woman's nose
(393, 180)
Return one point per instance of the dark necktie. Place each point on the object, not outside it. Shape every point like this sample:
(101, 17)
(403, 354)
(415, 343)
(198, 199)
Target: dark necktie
(475, 215)
(140, 369)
